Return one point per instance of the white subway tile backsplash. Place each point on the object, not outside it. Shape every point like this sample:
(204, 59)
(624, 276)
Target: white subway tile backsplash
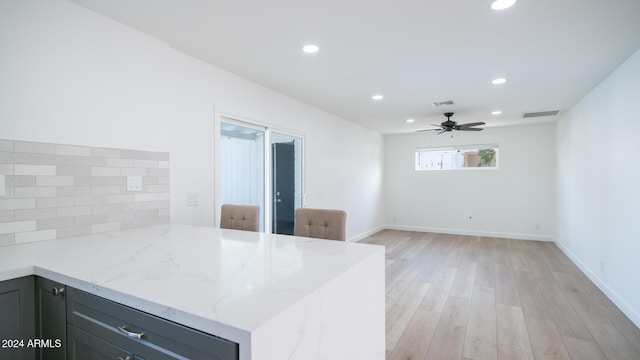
(158, 188)
(7, 239)
(55, 180)
(74, 231)
(74, 190)
(73, 150)
(146, 163)
(34, 192)
(105, 153)
(146, 197)
(17, 226)
(6, 169)
(122, 198)
(35, 214)
(6, 216)
(134, 154)
(21, 169)
(33, 147)
(26, 237)
(58, 190)
(55, 223)
(90, 200)
(133, 172)
(20, 180)
(54, 202)
(73, 170)
(106, 190)
(17, 204)
(158, 172)
(105, 171)
(91, 219)
(74, 211)
(121, 162)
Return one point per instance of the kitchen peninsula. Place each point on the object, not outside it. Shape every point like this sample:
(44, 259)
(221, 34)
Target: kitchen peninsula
(276, 296)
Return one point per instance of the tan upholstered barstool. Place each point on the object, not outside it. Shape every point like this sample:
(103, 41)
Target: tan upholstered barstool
(320, 223)
(240, 217)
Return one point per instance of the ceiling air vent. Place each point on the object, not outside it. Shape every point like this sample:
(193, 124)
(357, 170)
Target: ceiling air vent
(442, 103)
(540, 113)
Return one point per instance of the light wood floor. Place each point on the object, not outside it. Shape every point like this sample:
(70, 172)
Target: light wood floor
(465, 297)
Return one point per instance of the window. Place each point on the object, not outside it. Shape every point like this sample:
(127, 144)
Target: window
(457, 157)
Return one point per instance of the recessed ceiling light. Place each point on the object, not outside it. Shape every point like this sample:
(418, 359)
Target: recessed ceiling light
(497, 112)
(310, 49)
(502, 4)
(377, 97)
(410, 120)
(499, 81)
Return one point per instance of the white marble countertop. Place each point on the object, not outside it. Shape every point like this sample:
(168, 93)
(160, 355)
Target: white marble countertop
(223, 282)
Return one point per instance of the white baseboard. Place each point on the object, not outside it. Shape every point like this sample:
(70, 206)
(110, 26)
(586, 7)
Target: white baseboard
(629, 311)
(365, 234)
(517, 236)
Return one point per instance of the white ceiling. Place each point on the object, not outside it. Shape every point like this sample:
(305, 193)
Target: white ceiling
(553, 52)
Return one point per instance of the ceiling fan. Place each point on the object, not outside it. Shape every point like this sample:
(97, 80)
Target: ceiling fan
(452, 125)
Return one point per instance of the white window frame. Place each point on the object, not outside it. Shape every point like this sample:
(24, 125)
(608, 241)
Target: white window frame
(457, 148)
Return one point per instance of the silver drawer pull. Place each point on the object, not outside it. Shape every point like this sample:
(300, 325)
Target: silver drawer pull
(123, 329)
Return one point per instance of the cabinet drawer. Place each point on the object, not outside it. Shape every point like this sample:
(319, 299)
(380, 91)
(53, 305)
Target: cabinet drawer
(86, 346)
(161, 339)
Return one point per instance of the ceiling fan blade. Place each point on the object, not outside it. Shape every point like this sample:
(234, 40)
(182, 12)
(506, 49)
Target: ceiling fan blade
(441, 131)
(471, 124)
(470, 129)
(438, 128)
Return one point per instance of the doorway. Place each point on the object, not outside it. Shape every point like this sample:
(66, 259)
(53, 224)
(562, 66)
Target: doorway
(263, 167)
(242, 173)
(286, 181)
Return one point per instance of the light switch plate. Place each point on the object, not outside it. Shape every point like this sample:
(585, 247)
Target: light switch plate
(192, 199)
(134, 183)
(2, 191)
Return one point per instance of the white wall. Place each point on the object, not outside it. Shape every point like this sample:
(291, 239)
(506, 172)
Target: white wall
(74, 77)
(598, 183)
(505, 202)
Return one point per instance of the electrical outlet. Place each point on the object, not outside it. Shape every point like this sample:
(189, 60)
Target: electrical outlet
(134, 183)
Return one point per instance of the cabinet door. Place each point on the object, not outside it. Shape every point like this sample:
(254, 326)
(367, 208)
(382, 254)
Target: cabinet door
(17, 326)
(51, 319)
(82, 346)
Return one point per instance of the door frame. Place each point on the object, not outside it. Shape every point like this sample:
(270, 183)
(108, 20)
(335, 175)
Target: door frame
(268, 190)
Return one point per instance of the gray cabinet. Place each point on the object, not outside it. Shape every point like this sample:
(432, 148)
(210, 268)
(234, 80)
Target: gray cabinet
(83, 345)
(17, 324)
(42, 319)
(116, 327)
(51, 319)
